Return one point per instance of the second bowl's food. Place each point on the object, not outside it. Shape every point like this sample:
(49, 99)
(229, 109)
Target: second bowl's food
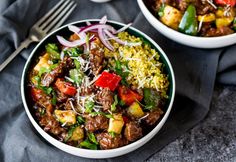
(102, 89)
(206, 18)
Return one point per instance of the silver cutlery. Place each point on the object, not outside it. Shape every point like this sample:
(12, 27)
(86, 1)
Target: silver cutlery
(48, 23)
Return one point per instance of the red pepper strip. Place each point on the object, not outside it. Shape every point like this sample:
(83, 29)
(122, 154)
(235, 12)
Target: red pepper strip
(128, 96)
(226, 2)
(36, 93)
(65, 87)
(108, 80)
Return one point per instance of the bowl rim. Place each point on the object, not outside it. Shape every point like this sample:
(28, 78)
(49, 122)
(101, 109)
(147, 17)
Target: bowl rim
(99, 154)
(163, 29)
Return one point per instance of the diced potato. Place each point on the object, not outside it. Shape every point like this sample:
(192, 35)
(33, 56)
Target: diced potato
(43, 62)
(116, 124)
(77, 134)
(66, 116)
(220, 22)
(171, 17)
(207, 17)
(220, 13)
(135, 110)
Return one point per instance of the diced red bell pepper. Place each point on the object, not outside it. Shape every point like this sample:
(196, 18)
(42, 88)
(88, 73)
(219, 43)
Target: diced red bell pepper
(65, 87)
(108, 80)
(128, 96)
(36, 93)
(226, 2)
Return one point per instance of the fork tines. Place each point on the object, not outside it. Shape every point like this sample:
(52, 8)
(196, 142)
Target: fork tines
(56, 16)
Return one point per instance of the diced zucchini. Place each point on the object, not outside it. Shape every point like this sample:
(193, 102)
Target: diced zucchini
(171, 17)
(43, 62)
(66, 116)
(135, 110)
(207, 17)
(116, 123)
(77, 134)
(220, 13)
(226, 21)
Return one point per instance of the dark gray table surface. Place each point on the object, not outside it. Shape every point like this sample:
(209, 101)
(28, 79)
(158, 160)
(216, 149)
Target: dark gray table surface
(212, 140)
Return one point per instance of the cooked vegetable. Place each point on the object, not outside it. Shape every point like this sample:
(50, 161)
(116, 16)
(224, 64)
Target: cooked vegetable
(43, 62)
(87, 144)
(76, 75)
(135, 110)
(109, 80)
(116, 123)
(152, 98)
(128, 96)
(226, 2)
(234, 24)
(188, 23)
(65, 87)
(171, 17)
(66, 117)
(75, 134)
(220, 22)
(53, 51)
(207, 17)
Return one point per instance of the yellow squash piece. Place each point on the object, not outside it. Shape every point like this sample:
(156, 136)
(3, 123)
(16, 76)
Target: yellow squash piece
(116, 123)
(220, 22)
(171, 17)
(207, 17)
(78, 134)
(67, 117)
(43, 62)
(135, 110)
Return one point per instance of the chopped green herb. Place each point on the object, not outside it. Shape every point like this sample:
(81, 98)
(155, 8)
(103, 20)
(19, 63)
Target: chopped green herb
(54, 98)
(112, 134)
(42, 111)
(161, 10)
(87, 41)
(87, 144)
(43, 70)
(77, 64)
(53, 51)
(113, 106)
(80, 120)
(122, 103)
(89, 106)
(53, 66)
(92, 138)
(76, 75)
(70, 133)
(234, 24)
(101, 113)
(73, 52)
(119, 70)
(151, 98)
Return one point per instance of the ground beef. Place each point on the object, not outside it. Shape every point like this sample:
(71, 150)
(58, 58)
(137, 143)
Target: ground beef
(49, 78)
(61, 97)
(133, 131)
(51, 125)
(153, 117)
(96, 59)
(106, 141)
(98, 122)
(106, 98)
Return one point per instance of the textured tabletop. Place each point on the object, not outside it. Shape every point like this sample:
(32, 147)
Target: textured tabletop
(214, 139)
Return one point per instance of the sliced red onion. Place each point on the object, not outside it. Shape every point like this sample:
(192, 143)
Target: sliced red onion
(110, 35)
(103, 39)
(96, 26)
(103, 20)
(76, 30)
(123, 28)
(67, 43)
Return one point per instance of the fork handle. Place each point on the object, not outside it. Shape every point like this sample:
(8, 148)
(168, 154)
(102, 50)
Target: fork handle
(23, 45)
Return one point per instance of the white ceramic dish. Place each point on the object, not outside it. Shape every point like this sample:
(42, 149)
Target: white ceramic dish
(98, 153)
(193, 41)
(100, 1)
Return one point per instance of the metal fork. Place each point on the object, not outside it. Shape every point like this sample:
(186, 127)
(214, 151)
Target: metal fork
(49, 22)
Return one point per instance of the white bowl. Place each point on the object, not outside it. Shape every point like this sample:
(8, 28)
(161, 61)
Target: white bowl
(100, 1)
(193, 41)
(97, 153)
